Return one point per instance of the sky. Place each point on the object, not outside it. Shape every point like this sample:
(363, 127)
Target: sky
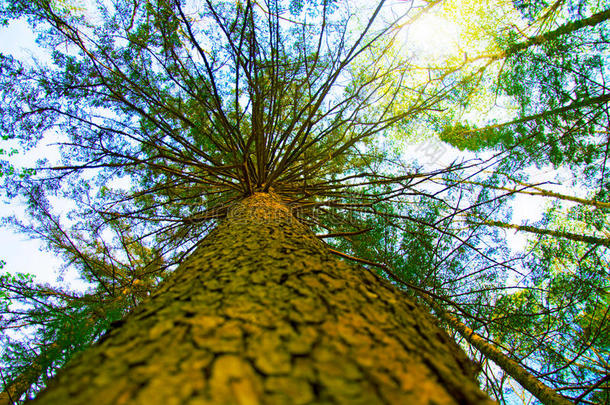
(21, 254)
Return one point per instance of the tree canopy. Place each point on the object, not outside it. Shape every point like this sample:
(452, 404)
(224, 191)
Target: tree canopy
(166, 112)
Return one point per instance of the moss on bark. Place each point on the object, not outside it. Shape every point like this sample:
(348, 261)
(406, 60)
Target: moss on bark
(261, 313)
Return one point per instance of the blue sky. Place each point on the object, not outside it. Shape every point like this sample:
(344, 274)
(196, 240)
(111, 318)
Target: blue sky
(19, 252)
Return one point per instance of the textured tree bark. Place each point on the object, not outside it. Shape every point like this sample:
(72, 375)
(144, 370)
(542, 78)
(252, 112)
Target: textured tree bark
(261, 313)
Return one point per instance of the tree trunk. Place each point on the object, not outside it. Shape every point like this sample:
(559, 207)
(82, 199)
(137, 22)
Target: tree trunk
(262, 313)
(537, 388)
(19, 386)
(594, 240)
(588, 102)
(562, 30)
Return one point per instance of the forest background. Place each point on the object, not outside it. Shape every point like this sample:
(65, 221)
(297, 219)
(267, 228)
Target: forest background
(428, 158)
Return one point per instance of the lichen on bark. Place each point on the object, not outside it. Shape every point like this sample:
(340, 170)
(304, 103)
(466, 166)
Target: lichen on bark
(262, 313)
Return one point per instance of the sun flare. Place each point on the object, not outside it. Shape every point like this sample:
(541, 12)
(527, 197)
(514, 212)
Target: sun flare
(432, 37)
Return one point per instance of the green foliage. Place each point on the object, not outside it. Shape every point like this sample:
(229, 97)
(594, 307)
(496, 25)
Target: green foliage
(57, 325)
(553, 81)
(564, 314)
(464, 137)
